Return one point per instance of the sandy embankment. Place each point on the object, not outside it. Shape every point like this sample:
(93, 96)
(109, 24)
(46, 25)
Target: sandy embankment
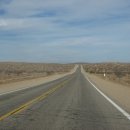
(16, 86)
(117, 92)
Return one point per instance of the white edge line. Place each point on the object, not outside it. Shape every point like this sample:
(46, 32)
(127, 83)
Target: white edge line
(126, 114)
(112, 102)
(14, 91)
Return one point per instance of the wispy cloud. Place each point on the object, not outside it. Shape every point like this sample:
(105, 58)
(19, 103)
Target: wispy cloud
(73, 30)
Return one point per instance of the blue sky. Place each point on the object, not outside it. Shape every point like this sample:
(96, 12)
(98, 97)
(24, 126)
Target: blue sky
(65, 30)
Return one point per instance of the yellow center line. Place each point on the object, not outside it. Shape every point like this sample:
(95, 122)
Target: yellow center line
(35, 100)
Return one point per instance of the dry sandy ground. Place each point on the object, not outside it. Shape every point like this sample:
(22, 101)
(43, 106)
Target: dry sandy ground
(16, 86)
(19, 71)
(117, 92)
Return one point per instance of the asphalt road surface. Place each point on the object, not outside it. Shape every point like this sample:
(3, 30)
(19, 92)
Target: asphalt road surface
(69, 103)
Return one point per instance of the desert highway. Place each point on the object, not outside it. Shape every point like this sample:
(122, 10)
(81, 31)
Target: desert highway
(69, 103)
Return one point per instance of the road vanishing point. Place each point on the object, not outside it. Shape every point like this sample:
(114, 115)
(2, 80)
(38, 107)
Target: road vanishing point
(68, 103)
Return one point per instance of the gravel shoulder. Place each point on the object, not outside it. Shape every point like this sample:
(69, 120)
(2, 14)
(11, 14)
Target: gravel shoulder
(20, 85)
(117, 92)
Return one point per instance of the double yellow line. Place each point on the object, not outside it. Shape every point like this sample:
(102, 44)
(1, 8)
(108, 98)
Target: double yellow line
(35, 100)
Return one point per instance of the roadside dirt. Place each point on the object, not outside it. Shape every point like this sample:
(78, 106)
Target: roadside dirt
(117, 92)
(115, 72)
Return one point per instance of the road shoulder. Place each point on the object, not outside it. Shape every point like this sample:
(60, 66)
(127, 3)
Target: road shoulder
(117, 92)
(20, 85)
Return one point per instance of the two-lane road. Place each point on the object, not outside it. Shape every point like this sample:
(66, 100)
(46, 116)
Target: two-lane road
(70, 103)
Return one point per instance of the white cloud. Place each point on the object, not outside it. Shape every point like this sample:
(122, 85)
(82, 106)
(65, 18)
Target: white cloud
(3, 23)
(13, 23)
